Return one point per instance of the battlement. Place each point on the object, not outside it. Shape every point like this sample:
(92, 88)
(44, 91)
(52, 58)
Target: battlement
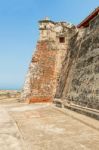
(56, 31)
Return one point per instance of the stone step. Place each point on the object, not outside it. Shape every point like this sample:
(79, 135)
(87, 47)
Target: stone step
(82, 110)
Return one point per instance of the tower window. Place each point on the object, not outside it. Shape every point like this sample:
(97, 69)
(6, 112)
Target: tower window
(45, 27)
(62, 39)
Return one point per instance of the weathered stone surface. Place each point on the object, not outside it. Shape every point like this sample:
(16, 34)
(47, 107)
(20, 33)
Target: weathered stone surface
(44, 127)
(42, 70)
(10, 137)
(46, 63)
(79, 80)
(65, 64)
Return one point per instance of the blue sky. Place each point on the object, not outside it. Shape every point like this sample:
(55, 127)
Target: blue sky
(19, 32)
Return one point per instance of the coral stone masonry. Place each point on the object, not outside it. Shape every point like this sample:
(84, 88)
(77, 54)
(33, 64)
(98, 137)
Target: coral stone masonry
(45, 66)
(65, 64)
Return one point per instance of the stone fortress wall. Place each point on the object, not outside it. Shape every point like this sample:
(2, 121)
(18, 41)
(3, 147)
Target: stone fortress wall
(66, 63)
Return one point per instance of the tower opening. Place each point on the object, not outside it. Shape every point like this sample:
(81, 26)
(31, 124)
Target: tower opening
(62, 39)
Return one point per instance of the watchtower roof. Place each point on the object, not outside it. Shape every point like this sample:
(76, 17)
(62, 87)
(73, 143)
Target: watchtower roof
(85, 22)
(46, 20)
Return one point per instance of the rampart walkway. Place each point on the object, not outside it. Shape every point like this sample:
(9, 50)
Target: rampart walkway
(44, 127)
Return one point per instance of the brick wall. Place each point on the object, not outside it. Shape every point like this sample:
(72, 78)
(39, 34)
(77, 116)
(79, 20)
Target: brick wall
(42, 73)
